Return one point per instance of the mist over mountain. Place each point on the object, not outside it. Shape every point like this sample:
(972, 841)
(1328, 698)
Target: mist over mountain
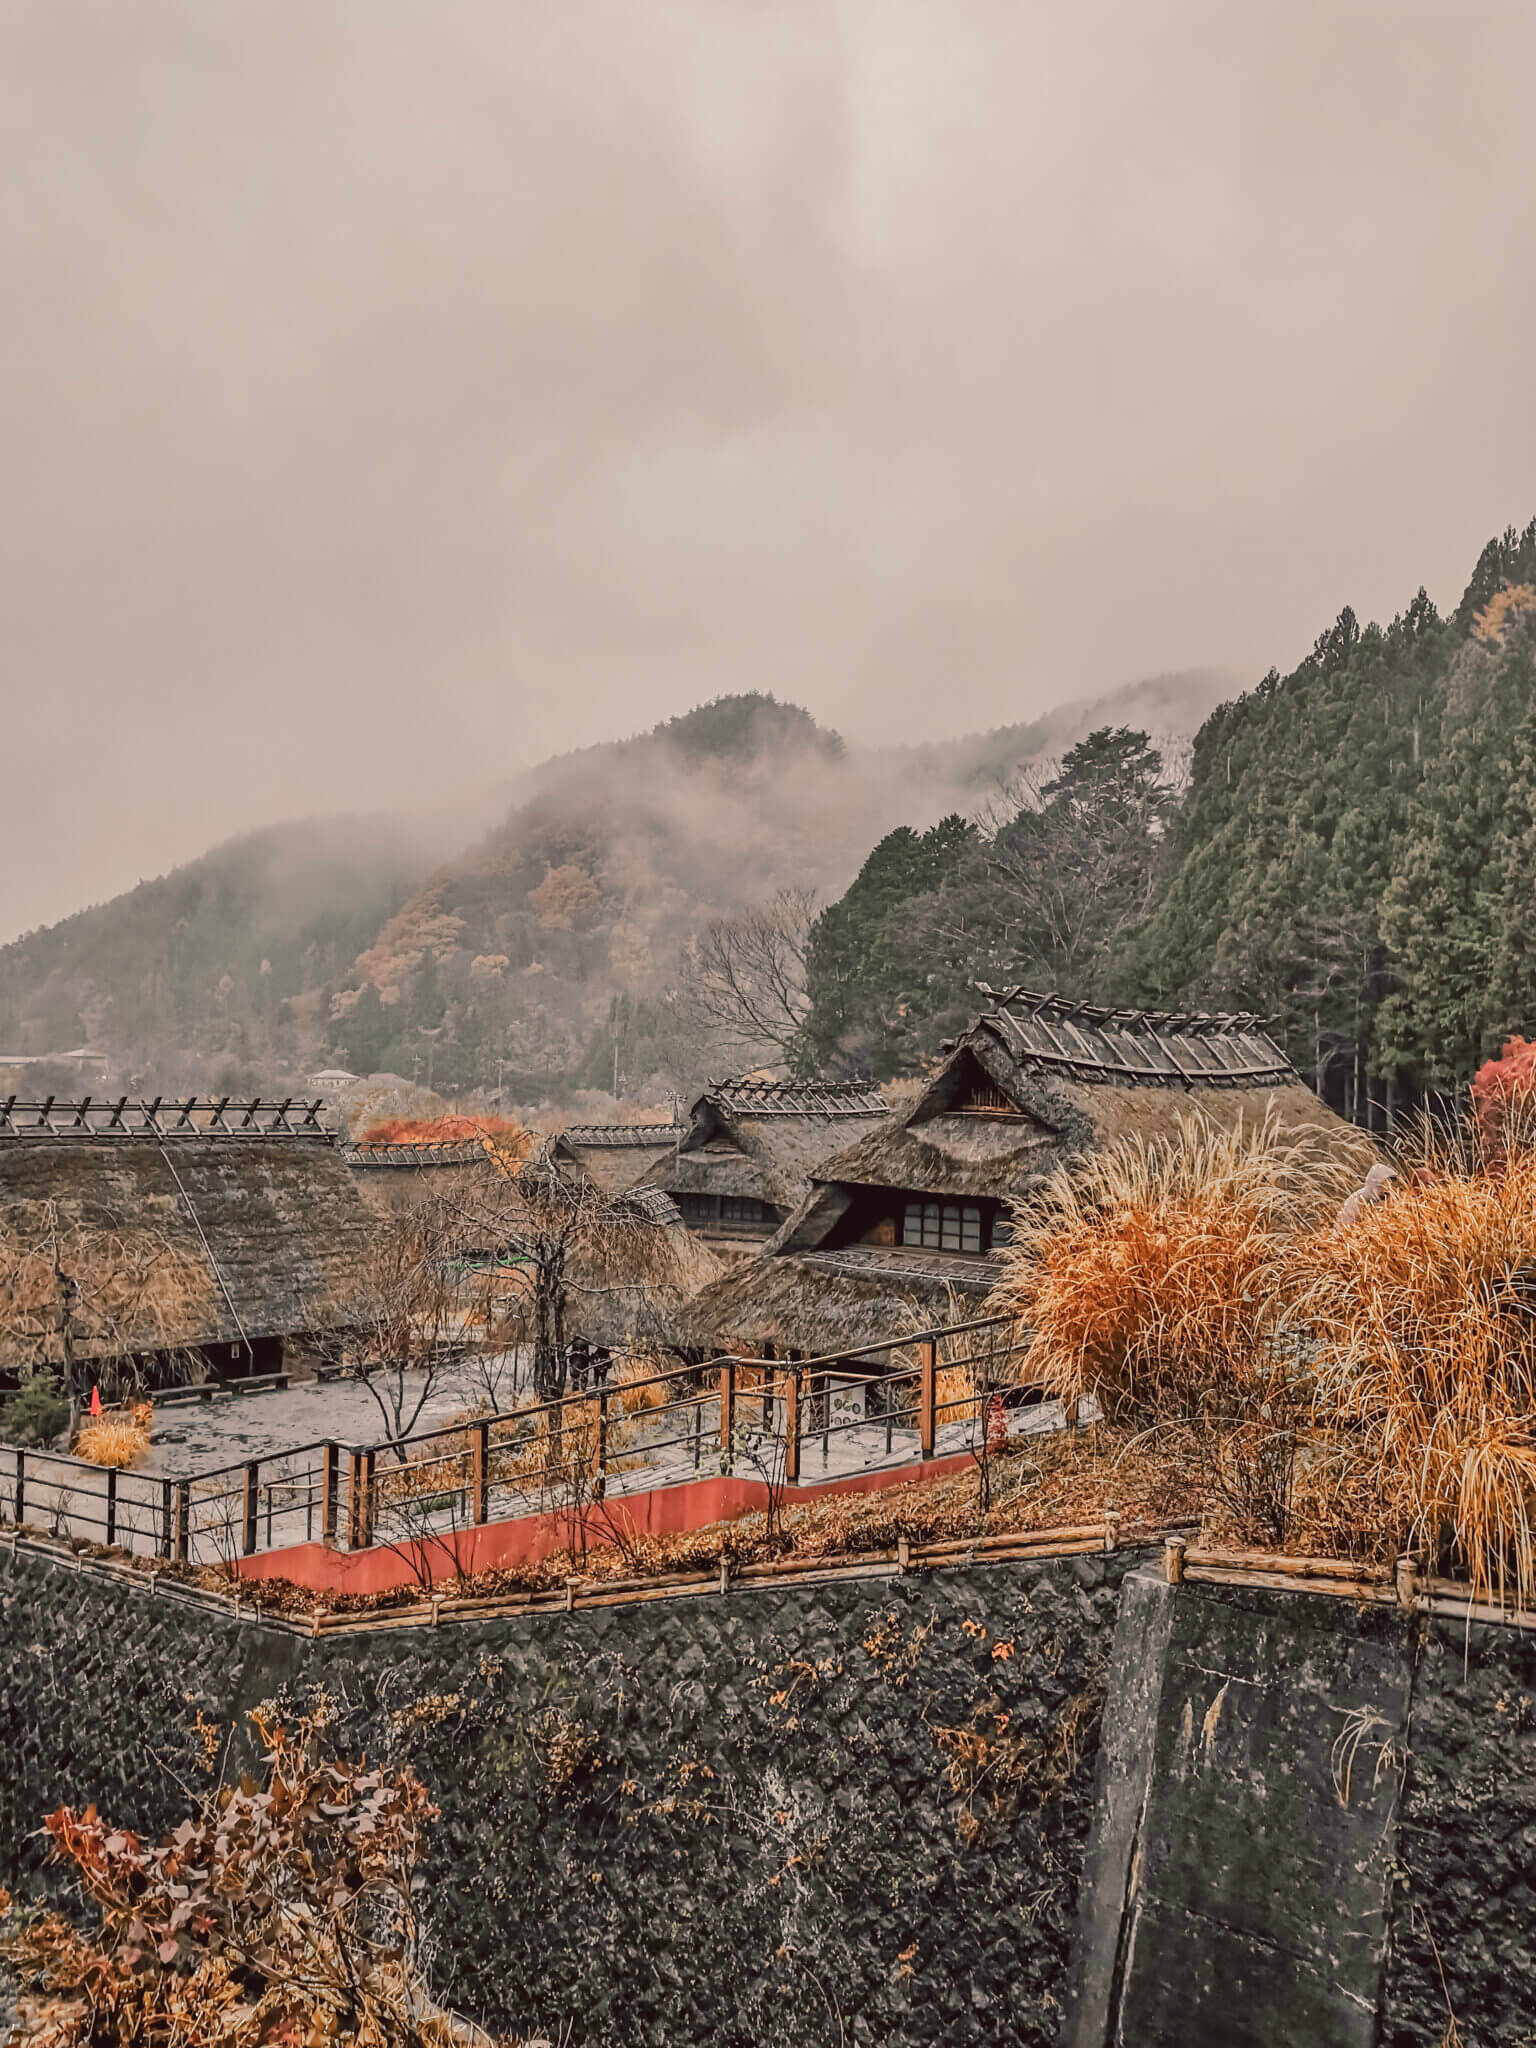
(528, 958)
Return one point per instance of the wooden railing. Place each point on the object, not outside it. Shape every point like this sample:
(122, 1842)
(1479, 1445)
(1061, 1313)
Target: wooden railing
(764, 1419)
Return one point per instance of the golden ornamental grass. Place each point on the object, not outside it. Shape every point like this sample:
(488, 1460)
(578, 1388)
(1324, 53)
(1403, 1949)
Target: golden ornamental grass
(1425, 1361)
(114, 1439)
(1151, 1270)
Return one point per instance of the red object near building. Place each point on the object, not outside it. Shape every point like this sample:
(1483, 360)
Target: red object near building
(997, 1423)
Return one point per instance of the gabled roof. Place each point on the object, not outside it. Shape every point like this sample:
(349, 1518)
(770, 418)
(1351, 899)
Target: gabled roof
(1173, 1048)
(615, 1156)
(766, 1139)
(1037, 1076)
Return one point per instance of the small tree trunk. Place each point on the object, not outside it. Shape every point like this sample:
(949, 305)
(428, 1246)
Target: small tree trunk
(549, 1328)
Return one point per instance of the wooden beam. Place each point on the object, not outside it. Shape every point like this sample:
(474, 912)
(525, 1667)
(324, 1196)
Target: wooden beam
(727, 1413)
(927, 1395)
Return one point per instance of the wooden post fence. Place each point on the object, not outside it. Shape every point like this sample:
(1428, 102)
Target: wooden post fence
(727, 1414)
(355, 1516)
(792, 1425)
(927, 1395)
(330, 1475)
(480, 1472)
(183, 1519)
(249, 1503)
(111, 1526)
(165, 1518)
(21, 1487)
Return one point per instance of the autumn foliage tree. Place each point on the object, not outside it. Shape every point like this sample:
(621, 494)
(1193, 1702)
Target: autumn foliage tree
(1502, 1089)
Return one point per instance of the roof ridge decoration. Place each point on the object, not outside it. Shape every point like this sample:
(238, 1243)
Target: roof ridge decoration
(622, 1134)
(461, 1152)
(1183, 1048)
(799, 1098)
(160, 1121)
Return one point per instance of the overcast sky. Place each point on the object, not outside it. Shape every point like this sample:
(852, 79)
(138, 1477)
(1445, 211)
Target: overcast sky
(393, 393)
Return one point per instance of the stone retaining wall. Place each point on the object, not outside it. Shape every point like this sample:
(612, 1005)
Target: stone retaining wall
(853, 1809)
(878, 1808)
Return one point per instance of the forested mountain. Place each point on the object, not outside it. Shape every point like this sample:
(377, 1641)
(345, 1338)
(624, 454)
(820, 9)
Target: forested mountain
(1352, 854)
(211, 976)
(546, 958)
(1051, 872)
(1347, 849)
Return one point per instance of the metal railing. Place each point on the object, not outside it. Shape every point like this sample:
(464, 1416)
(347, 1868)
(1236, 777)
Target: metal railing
(931, 1393)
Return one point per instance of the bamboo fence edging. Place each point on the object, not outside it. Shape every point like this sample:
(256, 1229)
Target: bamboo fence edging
(1341, 1578)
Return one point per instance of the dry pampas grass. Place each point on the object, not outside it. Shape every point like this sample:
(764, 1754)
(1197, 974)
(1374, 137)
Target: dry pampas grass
(1151, 1272)
(1152, 1276)
(1424, 1326)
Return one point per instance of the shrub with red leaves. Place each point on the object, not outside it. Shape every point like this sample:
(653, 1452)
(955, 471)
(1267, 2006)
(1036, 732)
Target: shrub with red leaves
(1502, 1087)
(284, 1910)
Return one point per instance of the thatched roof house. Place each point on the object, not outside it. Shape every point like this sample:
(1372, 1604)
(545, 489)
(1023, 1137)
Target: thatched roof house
(394, 1178)
(751, 1150)
(900, 1228)
(614, 1156)
(218, 1229)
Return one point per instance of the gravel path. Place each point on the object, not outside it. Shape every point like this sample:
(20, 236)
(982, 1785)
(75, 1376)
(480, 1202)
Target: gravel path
(200, 1435)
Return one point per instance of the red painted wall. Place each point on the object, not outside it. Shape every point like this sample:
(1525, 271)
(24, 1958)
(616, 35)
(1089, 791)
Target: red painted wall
(667, 1511)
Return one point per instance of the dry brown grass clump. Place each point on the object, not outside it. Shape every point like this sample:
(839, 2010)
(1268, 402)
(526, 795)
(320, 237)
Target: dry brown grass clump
(1150, 1271)
(1425, 1362)
(633, 1398)
(115, 1439)
(1152, 1275)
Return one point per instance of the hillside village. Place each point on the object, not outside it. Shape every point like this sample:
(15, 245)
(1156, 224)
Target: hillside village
(969, 1288)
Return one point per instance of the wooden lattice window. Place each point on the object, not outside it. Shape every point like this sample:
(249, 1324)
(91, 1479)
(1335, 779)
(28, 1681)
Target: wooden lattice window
(942, 1226)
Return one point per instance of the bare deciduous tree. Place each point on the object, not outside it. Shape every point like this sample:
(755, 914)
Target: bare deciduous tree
(405, 1316)
(558, 1243)
(746, 976)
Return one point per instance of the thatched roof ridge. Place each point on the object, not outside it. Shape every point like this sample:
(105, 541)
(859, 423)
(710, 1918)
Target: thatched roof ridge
(745, 1097)
(156, 1120)
(614, 1156)
(589, 1136)
(268, 1233)
(1086, 1042)
(365, 1157)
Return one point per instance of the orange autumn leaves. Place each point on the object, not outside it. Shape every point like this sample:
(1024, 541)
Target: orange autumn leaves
(500, 1132)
